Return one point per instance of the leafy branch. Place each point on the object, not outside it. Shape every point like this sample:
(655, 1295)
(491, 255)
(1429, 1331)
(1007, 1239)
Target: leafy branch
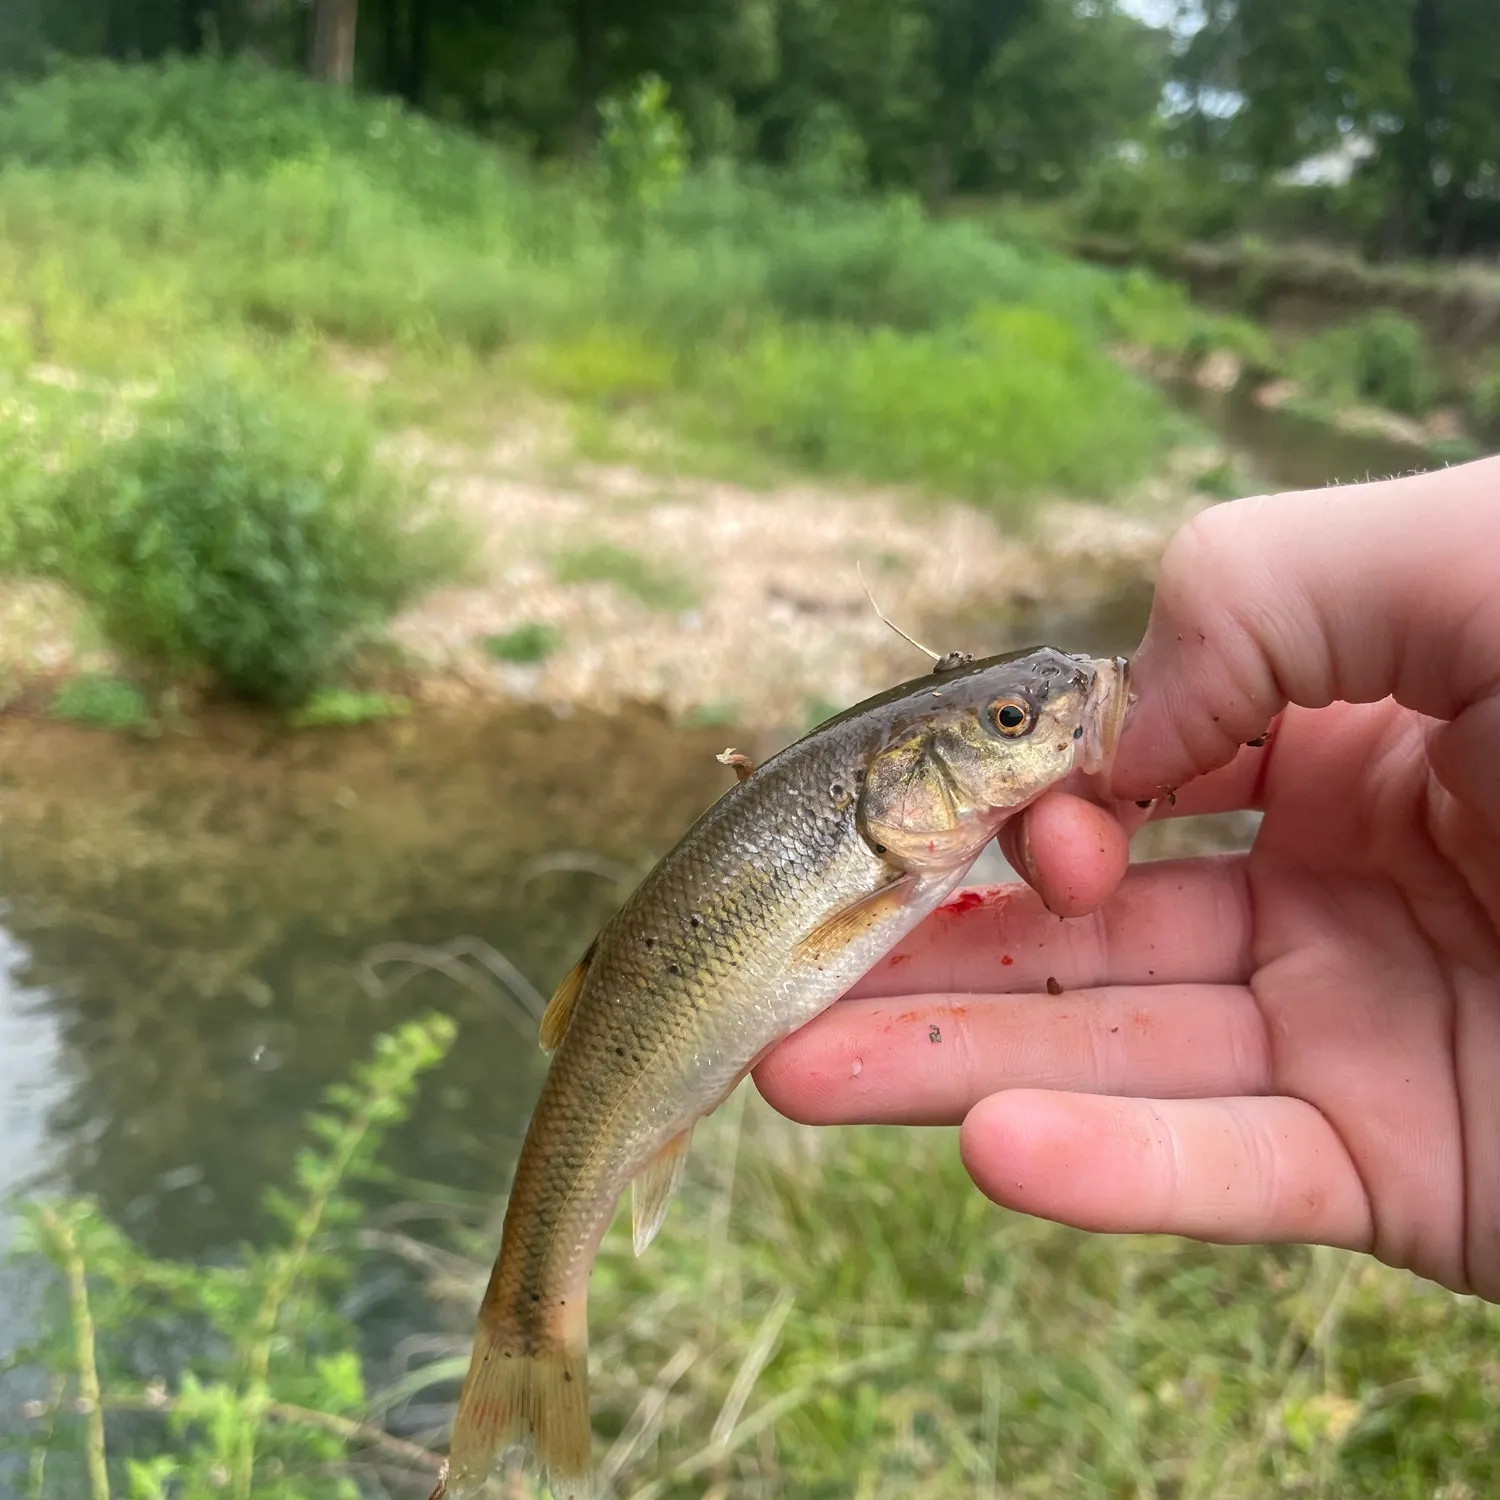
(252, 1381)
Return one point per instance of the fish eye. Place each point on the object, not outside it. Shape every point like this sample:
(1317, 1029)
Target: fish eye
(1011, 716)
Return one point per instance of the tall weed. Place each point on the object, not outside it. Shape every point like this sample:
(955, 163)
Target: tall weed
(242, 1379)
(838, 1312)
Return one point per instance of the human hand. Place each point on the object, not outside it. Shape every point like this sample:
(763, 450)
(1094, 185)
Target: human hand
(1300, 1043)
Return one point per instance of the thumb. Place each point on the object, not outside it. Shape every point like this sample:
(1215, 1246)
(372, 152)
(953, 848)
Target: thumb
(1350, 594)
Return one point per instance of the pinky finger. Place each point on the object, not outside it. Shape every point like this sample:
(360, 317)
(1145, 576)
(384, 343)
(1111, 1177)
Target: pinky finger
(1230, 1171)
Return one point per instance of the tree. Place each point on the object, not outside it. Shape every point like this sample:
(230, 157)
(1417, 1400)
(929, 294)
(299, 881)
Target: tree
(1069, 84)
(1417, 79)
(334, 24)
(965, 38)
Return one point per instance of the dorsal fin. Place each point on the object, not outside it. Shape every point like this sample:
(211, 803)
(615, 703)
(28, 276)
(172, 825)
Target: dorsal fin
(560, 1006)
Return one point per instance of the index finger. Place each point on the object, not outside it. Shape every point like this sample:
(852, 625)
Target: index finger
(1169, 922)
(1352, 594)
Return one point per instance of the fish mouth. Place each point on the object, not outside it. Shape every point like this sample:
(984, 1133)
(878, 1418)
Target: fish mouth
(1104, 713)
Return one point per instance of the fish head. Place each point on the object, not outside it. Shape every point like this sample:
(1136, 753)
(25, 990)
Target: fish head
(972, 749)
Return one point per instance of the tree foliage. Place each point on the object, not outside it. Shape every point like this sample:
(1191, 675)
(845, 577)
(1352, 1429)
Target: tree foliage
(935, 96)
(1413, 84)
(932, 94)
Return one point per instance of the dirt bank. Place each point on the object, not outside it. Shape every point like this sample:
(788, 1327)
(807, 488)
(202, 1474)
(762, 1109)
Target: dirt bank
(753, 609)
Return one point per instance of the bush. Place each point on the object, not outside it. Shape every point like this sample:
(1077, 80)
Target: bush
(1012, 402)
(532, 642)
(243, 530)
(343, 707)
(600, 562)
(235, 117)
(1484, 400)
(1381, 358)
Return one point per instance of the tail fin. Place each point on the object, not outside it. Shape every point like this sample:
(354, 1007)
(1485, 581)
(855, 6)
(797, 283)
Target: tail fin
(532, 1390)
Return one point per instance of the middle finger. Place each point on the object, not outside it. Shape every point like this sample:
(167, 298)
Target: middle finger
(928, 1059)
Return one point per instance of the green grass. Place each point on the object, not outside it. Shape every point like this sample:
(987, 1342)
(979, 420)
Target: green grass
(637, 576)
(107, 702)
(531, 642)
(901, 1337)
(329, 707)
(718, 714)
(1485, 400)
(1007, 403)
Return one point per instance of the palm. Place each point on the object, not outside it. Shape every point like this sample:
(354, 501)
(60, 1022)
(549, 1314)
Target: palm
(1286, 1044)
(1373, 969)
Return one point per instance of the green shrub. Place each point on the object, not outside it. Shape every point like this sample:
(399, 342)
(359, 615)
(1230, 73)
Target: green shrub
(247, 531)
(263, 1390)
(239, 118)
(1013, 402)
(643, 151)
(1394, 369)
(1484, 399)
(1381, 358)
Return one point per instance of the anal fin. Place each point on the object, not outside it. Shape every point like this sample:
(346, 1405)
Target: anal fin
(652, 1188)
(831, 937)
(560, 1006)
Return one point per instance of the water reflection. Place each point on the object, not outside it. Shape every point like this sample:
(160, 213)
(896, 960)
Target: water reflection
(188, 916)
(31, 1086)
(1286, 451)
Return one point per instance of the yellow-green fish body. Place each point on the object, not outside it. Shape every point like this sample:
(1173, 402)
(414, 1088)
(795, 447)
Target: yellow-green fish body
(794, 884)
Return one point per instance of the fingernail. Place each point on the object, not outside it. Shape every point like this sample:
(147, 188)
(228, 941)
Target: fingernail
(1023, 860)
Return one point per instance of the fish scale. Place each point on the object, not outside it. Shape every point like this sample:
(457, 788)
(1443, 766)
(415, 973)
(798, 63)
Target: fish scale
(771, 906)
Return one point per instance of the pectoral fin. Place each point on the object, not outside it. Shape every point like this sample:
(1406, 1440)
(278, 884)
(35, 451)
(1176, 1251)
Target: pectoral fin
(560, 1006)
(652, 1189)
(831, 937)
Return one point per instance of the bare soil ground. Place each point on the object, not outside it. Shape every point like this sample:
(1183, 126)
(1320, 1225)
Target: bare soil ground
(765, 617)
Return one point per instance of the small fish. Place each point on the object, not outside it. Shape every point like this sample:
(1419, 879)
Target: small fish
(789, 888)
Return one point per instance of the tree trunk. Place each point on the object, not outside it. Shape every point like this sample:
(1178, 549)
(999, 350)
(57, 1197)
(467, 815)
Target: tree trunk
(119, 34)
(333, 41)
(939, 187)
(418, 35)
(389, 22)
(1412, 214)
(588, 58)
(190, 26)
(261, 30)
